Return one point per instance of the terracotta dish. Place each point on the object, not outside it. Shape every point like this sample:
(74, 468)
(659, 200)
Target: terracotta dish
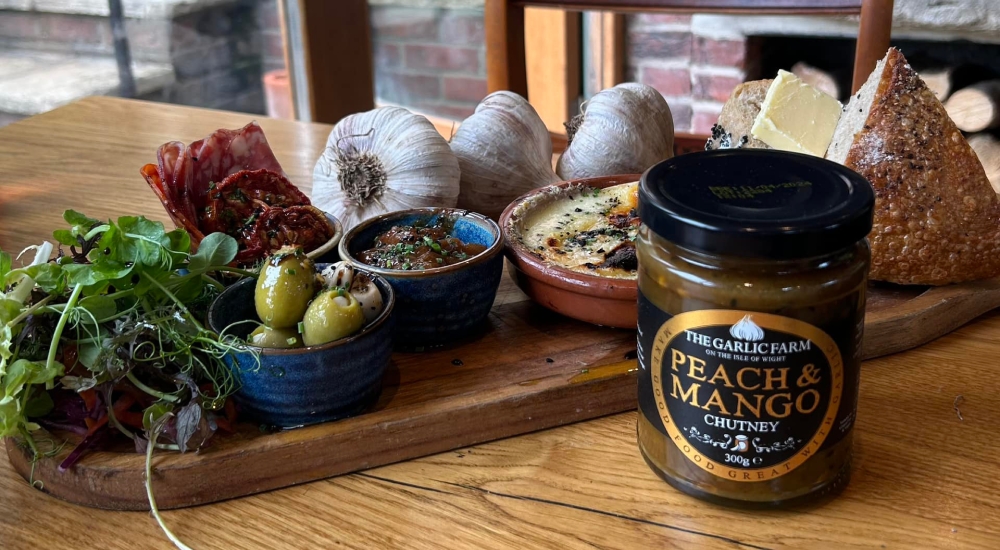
(590, 298)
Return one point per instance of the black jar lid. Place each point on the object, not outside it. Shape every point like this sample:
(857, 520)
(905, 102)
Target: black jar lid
(756, 203)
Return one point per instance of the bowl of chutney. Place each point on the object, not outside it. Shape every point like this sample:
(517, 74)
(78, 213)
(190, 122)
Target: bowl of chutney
(444, 265)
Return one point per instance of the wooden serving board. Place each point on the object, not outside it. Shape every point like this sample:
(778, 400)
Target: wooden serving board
(531, 369)
(899, 318)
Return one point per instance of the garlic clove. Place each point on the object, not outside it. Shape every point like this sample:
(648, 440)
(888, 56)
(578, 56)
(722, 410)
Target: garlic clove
(338, 275)
(365, 292)
(624, 130)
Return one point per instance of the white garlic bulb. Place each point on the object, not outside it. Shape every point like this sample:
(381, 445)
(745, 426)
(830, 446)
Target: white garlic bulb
(504, 151)
(381, 161)
(623, 130)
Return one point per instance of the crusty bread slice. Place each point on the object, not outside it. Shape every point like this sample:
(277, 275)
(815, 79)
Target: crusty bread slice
(937, 219)
(738, 114)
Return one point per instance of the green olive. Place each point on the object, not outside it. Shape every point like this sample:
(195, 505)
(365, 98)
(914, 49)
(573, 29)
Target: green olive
(286, 284)
(267, 337)
(333, 315)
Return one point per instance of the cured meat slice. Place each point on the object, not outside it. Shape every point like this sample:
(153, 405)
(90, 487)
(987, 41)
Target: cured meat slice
(186, 172)
(231, 182)
(182, 213)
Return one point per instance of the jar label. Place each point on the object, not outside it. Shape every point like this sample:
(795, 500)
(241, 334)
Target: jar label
(746, 396)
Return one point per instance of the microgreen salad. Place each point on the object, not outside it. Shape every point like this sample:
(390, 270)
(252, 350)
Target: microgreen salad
(105, 340)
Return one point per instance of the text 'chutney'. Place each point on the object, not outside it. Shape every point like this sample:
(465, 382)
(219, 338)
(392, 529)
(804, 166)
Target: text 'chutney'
(752, 274)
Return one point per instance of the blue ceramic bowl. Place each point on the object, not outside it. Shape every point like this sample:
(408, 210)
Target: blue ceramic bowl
(295, 387)
(438, 306)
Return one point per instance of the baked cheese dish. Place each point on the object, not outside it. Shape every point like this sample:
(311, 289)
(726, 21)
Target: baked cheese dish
(586, 229)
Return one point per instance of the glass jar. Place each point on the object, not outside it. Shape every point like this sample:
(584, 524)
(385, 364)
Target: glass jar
(752, 275)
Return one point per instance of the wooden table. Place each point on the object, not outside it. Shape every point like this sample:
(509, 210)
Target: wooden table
(925, 476)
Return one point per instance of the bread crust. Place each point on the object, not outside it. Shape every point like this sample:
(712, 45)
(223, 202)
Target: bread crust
(741, 110)
(937, 218)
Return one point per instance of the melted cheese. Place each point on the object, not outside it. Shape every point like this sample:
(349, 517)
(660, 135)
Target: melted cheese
(578, 230)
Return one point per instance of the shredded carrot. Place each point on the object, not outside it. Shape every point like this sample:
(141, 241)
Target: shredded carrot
(130, 418)
(120, 408)
(89, 399)
(94, 425)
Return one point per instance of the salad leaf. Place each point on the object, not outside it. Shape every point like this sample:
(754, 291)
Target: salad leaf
(5, 266)
(48, 277)
(188, 420)
(9, 310)
(40, 404)
(101, 306)
(216, 249)
(154, 412)
(10, 423)
(180, 242)
(23, 372)
(65, 237)
(79, 220)
(81, 225)
(145, 242)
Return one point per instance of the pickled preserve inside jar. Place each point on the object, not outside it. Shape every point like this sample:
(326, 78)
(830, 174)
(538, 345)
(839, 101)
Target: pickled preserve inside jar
(753, 267)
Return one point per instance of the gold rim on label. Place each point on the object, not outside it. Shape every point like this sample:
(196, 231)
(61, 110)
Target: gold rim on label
(714, 317)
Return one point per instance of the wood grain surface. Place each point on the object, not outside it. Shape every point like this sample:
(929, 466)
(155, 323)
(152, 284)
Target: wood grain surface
(923, 478)
(926, 454)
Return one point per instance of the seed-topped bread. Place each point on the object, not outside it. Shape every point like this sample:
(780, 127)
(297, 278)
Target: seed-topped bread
(937, 218)
(737, 116)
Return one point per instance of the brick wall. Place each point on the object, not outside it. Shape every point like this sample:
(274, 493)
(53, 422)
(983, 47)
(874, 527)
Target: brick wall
(218, 52)
(217, 57)
(694, 73)
(80, 34)
(429, 59)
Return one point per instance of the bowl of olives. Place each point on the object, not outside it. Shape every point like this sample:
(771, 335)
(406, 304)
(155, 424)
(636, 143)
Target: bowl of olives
(318, 338)
(444, 265)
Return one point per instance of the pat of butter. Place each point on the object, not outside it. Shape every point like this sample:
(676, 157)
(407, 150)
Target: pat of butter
(796, 117)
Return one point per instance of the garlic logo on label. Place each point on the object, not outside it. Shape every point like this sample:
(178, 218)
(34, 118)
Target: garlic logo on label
(746, 396)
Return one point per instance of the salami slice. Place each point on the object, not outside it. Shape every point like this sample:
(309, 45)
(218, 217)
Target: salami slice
(231, 182)
(180, 212)
(186, 172)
